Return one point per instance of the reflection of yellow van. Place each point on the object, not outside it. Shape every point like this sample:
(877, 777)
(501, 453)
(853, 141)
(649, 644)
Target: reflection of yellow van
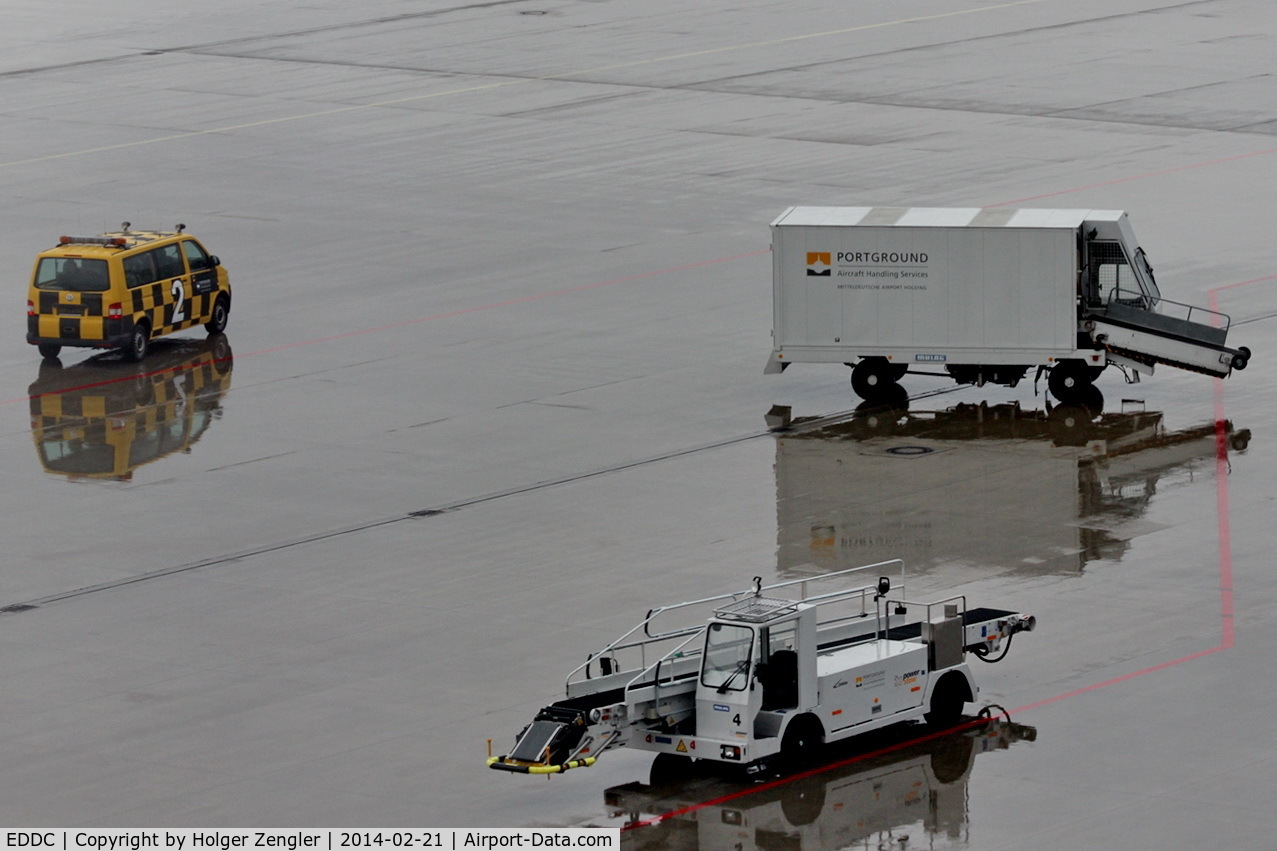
(119, 290)
(103, 418)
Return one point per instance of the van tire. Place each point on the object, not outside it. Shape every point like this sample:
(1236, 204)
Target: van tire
(49, 350)
(221, 315)
(139, 342)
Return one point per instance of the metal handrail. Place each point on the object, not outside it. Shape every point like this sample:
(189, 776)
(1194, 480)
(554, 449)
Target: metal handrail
(649, 638)
(1117, 294)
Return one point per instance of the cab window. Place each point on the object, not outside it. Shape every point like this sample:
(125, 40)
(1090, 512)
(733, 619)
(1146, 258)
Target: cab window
(196, 258)
(71, 273)
(728, 651)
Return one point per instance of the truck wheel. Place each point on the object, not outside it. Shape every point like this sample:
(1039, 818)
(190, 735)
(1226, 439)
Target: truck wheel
(1068, 380)
(947, 700)
(669, 769)
(801, 742)
(49, 350)
(1241, 358)
(873, 376)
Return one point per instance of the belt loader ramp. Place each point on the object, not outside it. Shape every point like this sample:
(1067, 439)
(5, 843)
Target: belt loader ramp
(769, 677)
(983, 294)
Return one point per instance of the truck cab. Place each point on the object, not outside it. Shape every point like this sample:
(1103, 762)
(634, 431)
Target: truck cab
(759, 666)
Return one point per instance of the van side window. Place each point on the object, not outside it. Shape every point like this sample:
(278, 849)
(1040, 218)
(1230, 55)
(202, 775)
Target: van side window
(139, 269)
(195, 255)
(168, 261)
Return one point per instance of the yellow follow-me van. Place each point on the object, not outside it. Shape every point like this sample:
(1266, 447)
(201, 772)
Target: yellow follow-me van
(119, 290)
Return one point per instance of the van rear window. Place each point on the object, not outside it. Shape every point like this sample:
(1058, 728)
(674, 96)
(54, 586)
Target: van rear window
(72, 273)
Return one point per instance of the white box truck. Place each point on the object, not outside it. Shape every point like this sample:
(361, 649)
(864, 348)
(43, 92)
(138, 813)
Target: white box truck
(984, 294)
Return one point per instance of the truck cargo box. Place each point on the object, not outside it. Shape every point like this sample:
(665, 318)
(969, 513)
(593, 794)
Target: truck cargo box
(983, 294)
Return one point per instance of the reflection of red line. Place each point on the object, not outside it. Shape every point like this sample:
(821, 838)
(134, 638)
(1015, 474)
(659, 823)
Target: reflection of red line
(108, 382)
(1226, 622)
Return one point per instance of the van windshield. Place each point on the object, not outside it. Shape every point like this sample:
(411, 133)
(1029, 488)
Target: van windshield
(72, 273)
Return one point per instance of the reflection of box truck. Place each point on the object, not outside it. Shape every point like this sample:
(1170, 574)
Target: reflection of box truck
(983, 294)
(981, 489)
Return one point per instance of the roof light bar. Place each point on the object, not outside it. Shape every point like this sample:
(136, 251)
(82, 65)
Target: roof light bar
(113, 242)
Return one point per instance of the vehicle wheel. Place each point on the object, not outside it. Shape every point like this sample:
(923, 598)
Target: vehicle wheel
(221, 315)
(802, 741)
(49, 350)
(951, 758)
(669, 769)
(1068, 380)
(947, 701)
(873, 376)
(803, 805)
(140, 342)
(1242, 358)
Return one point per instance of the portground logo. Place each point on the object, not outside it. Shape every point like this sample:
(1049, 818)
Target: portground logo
(818, 264)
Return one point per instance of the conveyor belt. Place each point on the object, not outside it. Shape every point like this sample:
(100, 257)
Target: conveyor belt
(903, 632)
(908, 631)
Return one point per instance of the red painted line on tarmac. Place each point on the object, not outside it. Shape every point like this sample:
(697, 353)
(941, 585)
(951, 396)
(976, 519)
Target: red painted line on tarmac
(417, 321)
(1145, 176)
(509, 302)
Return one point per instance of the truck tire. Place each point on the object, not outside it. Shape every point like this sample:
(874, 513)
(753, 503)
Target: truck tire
(947, 700)
(1241, 358)
(1069, 380)
(872, 377)
(801, 742)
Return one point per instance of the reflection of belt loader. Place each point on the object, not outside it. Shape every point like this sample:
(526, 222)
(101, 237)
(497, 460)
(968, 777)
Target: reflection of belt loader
(768, 677)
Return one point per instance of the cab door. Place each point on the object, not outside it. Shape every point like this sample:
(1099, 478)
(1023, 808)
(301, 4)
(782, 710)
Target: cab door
(203, 279)
(174, 293)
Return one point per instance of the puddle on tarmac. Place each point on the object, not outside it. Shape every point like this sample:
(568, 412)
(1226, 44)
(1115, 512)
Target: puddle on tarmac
(102, 418)
(977, 489)
(902, 787)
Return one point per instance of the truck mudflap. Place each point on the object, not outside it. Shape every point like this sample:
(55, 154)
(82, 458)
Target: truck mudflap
(551, 744)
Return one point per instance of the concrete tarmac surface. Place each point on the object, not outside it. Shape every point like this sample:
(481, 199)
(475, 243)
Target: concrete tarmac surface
(493, 386)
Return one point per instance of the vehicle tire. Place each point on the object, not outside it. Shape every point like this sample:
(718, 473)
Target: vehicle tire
(221, 315)
(801, 742)
(49, 350)
(872, 377)
(1241, 358)
(803, 802)
(1068, 381)
(669, 769)
(139, 342)
(947, 700)
(951, 758)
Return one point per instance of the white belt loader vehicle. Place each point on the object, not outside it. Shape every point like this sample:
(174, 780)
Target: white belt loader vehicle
(984, 294)
(769, 679)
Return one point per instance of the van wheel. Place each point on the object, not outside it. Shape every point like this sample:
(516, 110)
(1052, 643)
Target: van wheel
(221, 314)
(139, 342)
(49, 350)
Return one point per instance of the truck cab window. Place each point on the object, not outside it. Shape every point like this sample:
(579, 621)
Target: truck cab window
(728, 652)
